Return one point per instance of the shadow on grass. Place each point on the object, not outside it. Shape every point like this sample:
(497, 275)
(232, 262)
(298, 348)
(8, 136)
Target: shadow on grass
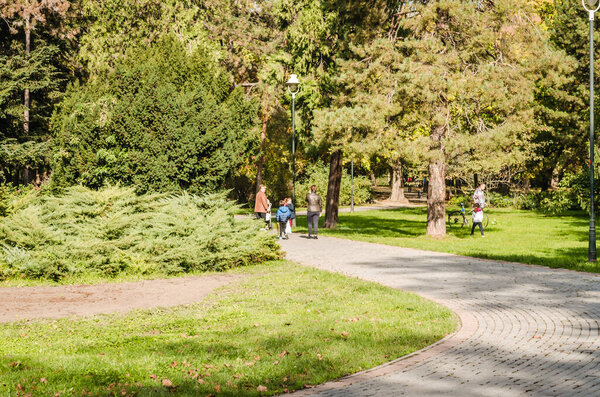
(225, 370)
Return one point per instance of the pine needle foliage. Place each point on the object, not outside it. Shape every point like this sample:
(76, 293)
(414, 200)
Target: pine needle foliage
(113, 230)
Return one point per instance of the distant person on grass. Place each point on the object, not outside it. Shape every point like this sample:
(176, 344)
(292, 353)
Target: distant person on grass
(262, 206)
(479, 204)
(313, 211)
(283, 217)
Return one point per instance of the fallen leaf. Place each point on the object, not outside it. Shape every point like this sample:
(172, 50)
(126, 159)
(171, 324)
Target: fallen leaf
(14, 364)
(276, 362)
(256, 324)
(153, 376)
(257, 358)
(283, 353)
(173, 364)
(218, 389)
(167, 383)
(227, 365)
(43, 380)
(261, 389)
(319, 356)
(200, 380)
(344, 334)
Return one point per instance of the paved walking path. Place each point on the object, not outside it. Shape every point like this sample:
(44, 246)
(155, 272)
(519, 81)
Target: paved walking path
(526, 330)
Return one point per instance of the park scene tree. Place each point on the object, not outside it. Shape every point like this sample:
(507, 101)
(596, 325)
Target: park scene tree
(135, 136)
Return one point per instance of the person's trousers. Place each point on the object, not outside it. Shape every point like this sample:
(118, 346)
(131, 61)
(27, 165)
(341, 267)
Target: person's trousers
(480, 227)
(313, 222)
(282, 226)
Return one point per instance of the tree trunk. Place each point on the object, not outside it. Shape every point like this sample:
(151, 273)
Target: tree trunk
(263, 142)
(476, 180)
(436, 193)
(397, 183)
(333, 190)
(373, 178)
(555, 178)
(27, 100)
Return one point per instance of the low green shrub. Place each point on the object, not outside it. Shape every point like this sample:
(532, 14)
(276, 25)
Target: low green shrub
(318, 174)
(113, 230)
(12, 198)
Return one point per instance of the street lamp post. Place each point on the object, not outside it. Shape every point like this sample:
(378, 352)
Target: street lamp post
(293, 85)
(352, 186)
(591, 6)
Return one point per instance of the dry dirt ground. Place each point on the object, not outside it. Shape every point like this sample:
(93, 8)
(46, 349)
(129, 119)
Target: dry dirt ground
(26, 303)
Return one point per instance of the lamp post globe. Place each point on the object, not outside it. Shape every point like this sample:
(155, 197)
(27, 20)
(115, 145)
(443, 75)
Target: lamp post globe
(591, 6)
(293, 85)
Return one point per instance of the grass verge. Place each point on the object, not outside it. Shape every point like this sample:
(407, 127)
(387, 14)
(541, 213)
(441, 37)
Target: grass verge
(281, 328)
(512, 235)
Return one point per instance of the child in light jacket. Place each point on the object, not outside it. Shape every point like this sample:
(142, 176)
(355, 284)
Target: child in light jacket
(283, 216)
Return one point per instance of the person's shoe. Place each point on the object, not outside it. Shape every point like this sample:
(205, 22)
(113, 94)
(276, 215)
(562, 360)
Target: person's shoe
(316, 238)
(482, 235)
(281, 238)
(309, 236)
(287, 237)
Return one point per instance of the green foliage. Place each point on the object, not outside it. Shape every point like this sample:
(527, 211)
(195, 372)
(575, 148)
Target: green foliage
(113, 230)
(13, 198)
(318, 174)
(163, 120)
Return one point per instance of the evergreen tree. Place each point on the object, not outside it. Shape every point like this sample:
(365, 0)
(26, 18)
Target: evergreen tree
(162, 120)
(470, 74)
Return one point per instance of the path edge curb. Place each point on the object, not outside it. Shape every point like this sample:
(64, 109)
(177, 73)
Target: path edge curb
(466, 327)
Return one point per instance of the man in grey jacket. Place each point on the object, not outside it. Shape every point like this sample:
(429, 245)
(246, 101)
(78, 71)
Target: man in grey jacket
(313, 211)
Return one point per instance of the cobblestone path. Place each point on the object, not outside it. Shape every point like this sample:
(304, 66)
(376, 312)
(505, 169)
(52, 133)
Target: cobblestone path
(526, 330)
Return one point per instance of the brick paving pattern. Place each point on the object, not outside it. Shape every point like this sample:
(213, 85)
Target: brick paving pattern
(527, 330)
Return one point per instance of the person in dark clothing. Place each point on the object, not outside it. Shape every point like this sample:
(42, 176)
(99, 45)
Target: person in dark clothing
(313, 211)
(290, 205)
(283, 216)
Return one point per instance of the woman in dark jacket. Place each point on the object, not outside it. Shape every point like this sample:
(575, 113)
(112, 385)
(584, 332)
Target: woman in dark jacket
(313, 211)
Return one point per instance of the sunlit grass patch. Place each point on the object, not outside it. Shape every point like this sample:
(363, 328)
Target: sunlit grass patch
(284, 327)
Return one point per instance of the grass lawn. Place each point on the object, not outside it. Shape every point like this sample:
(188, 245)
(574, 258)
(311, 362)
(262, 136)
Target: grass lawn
(512, 235)
(280, 328)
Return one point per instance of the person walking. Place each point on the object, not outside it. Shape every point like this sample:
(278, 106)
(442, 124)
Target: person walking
(283, 216)
(313, 211)
(262, 206)
(290, 205)
(479, 204)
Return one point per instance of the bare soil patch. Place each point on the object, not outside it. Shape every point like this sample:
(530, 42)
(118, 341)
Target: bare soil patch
(27, 303)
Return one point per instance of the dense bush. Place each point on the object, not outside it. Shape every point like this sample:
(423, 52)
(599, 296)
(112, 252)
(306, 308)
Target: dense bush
(163, 120)
(318, 174)
(113, 230)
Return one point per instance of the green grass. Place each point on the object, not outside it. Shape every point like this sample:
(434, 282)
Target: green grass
(512, 235)
(283, 326)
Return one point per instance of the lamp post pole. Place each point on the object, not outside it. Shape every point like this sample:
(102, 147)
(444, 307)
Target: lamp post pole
(591, 6)
(294, 148)
(293, 85)
(352, 186)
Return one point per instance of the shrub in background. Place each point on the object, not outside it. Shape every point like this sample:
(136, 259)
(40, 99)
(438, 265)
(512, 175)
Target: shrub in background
(163, 120)
(113, 230)
(318, 174)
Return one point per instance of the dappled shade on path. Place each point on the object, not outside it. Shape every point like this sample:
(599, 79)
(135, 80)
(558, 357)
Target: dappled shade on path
(537, 330)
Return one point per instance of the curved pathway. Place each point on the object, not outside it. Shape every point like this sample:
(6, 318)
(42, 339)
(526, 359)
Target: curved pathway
(526, 330)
